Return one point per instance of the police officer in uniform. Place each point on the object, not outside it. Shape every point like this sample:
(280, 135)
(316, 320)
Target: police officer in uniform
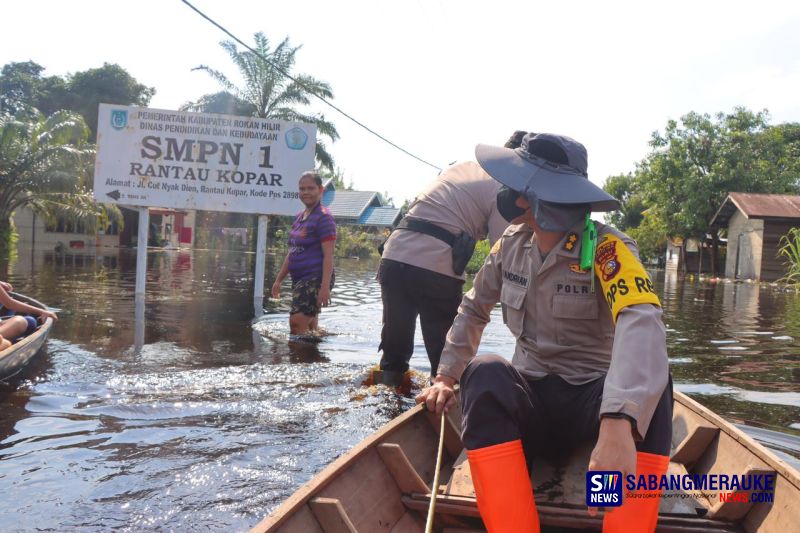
(590, 362)
(421, 272)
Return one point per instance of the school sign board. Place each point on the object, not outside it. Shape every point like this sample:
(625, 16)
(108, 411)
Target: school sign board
(157, 158)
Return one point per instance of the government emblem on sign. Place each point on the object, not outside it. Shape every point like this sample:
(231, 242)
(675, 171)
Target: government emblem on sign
(119, 118)
(296, 139)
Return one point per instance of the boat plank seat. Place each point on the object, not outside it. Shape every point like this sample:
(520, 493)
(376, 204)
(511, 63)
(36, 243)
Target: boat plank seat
(368, 493)
(735, 510)
(416, 440)
(402, 470)
(331, 515)
(694, 445)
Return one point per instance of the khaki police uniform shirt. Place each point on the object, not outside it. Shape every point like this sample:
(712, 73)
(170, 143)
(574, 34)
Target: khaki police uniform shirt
(564, 328)
(462, 198)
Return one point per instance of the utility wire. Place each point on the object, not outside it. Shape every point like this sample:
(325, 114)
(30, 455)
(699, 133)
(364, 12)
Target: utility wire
(276, 67)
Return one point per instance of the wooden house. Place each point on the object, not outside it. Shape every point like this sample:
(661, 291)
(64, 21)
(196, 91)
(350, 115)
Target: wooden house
(755, 224)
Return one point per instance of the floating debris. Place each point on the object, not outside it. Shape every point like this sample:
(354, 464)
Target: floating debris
(726, 341)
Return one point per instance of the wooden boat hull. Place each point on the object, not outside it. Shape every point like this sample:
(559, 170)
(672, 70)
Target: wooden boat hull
(383, 483)
(14, 359)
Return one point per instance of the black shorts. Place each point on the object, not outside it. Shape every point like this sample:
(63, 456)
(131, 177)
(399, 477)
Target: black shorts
(549, 415)
(304, 295)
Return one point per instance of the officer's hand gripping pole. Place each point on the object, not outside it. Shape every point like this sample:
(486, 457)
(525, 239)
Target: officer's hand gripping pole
(435, 484)
(588, 246)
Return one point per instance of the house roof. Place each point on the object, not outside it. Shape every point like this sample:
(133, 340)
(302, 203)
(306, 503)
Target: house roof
(380, 216)
(754, 205)
(349, 204)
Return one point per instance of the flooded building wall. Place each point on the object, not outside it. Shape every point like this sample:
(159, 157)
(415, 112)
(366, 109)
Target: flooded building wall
(745, 244)
(33, 231)
(773, 265)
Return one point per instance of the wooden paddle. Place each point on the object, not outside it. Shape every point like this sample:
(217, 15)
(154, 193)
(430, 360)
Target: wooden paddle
(435, 484)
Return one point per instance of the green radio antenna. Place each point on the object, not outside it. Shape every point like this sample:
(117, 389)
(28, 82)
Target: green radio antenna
(588, 245)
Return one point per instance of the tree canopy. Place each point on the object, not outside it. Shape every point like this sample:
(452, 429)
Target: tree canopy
(693, 165)
(23, 90)
(270, 90)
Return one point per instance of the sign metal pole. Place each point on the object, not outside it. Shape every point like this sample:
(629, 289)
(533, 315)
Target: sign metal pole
(261, 252)
(141, 250)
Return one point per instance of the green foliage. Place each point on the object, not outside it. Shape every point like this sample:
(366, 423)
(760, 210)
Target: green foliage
(353, 242)
(46, 165)
(790, 250)
(624, 188)
(23, 90)
(110, 84)
(268, 92)
(650, 236)
(482, 249)
(19, 86)
(693, 165)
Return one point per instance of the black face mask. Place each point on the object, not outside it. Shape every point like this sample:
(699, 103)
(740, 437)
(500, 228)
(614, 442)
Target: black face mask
(507, 204)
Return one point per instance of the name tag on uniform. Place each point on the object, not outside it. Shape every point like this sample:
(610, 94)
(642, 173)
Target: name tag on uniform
(517, 279)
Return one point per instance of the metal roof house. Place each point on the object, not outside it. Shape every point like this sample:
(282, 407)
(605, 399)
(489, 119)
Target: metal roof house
(755, 223)
(362, 208)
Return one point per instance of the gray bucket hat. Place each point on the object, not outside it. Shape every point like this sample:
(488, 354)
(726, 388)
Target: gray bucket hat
(528, 171)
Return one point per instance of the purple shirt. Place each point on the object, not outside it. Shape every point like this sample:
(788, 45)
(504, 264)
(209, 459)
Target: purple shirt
(305, 242)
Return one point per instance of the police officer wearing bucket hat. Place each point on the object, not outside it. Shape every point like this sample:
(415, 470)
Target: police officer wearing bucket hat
(590, 361)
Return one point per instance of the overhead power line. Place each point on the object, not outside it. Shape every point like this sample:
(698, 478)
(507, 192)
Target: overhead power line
(306, 87)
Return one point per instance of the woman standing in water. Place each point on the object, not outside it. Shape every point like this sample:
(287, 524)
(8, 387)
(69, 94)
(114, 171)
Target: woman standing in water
(310, 258)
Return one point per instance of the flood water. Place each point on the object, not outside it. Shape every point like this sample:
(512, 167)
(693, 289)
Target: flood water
(191, 414)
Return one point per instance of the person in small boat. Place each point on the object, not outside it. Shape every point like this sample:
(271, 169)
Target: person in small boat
(14, 326)
(310, 258)
(590, 362)
(421, 272)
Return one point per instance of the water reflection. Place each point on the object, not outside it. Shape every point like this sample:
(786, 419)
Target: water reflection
(182, 411)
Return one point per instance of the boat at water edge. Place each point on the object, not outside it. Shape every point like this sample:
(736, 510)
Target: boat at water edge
(384, 483)
(16, 357)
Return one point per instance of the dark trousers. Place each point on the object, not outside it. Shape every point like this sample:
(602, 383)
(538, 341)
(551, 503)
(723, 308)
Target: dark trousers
(407, 292)
(550, 416)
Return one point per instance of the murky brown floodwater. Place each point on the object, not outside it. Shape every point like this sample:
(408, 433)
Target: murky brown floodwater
(198, 417)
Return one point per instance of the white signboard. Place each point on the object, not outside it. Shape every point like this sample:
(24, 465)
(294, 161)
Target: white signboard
(152, 157)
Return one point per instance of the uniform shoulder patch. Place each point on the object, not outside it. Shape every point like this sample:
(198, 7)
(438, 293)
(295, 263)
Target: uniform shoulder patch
(607, 261)
(622, 276)
(498, 245)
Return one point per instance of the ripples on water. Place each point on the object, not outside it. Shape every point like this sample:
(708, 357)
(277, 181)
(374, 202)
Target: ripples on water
(203, 418)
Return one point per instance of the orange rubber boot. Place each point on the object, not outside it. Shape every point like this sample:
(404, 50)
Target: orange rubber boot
(638, 515)
(503, 488)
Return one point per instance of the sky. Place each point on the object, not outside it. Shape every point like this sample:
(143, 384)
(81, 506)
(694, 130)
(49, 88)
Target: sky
(438, 77)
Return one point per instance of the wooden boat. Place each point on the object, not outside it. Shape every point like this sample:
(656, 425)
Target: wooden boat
(383, 483)
(14, 358)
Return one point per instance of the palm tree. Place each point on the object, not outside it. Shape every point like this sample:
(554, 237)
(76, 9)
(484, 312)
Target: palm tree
(46, 164)
(268, 92)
